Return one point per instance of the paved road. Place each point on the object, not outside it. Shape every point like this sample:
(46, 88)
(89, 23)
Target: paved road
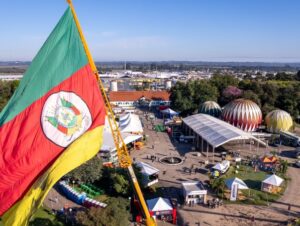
(56, 201)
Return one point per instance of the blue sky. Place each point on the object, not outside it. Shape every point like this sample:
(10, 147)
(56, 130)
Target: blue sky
(145, 30)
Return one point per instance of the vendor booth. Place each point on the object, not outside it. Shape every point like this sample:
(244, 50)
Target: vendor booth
(149, 173)
(240, 183)
(169, 113)
(268, 163)
(222, 167)
(162, 209)
(194, 193)
(272, 184)
(234, 185)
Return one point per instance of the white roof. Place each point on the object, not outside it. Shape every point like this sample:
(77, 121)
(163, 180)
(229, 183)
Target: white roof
(194, 188)
(222, 166)
(131, 124)
(241, 184)
(108, 142)
(273, 180)
(215, 131)
(159, 204)
(147, 169)
(169, 111)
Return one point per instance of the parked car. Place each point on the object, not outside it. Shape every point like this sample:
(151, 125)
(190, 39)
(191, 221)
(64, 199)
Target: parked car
(296, 154)
(297, 164)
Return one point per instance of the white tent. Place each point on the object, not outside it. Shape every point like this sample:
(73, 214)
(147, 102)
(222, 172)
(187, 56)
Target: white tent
(169, 111)
(147, 169)
(241, 184)
(124, 117)
(131, 124)
(194, 192)
(108, 142)
(222, 167)
(159, 204)
(273, 180)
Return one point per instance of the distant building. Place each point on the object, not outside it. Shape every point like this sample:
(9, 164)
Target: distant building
(10, 77)
(114, 85)
(139, 98)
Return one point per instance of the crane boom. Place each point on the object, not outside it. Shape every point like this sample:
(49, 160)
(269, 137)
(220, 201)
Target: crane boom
(123, 155)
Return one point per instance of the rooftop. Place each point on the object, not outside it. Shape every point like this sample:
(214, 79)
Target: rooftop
(136, 95)
(215, 131)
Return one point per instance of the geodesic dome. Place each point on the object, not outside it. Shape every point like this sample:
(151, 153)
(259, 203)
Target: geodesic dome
(278, 120)
(242, 113)
(210, 108)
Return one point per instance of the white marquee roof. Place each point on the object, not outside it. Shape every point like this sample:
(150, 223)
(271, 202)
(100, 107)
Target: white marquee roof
(215, 131)
(130, 124)
(194, 188)
(273, 180)
(169, 111)
(108, 141)
(147, 169)
(159, 204)
(241, 184)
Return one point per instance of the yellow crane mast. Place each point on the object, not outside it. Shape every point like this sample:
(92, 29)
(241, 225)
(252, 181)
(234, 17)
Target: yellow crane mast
(123, 156)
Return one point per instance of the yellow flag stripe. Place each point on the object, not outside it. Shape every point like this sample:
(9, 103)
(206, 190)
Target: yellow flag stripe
(80, 151)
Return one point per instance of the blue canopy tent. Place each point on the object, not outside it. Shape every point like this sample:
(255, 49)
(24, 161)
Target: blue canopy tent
(169, 113)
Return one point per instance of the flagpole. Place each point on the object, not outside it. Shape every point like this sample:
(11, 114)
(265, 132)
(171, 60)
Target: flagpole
(85, 46)
(127, 161)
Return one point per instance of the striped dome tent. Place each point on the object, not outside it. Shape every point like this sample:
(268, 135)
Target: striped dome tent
(278, 120)
(210, 108)
(242, 113)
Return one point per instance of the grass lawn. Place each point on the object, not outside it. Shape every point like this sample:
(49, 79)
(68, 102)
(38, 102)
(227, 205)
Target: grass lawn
(253, 180)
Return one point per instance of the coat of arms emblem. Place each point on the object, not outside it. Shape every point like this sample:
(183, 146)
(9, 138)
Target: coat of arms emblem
(65, 117)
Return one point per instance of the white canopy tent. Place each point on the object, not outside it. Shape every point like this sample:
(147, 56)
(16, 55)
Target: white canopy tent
(131, 124)
(241, 184)
(159, 204)
(147, 169)
(108, 141)
(273, 180)
(149, 173)
(222, 167)
(169, 111)
(194, 192)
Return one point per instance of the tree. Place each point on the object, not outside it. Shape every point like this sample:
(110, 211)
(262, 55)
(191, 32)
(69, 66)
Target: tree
(288, 100)
(219, 185)
(115, 214)
(120, 184)
(7, 89)
(250, 95)
(186, 97)
(297, 76)
(88, 172)
(230, 93)
(221, 82)
(203, 91)
(115, 181)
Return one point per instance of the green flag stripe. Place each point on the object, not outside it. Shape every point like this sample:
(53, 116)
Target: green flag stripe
(61, 55)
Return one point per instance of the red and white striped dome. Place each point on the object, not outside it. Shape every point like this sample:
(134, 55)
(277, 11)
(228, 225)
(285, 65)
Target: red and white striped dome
(242, 113)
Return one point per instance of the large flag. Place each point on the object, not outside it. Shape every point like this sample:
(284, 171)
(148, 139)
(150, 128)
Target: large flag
(52, 124)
